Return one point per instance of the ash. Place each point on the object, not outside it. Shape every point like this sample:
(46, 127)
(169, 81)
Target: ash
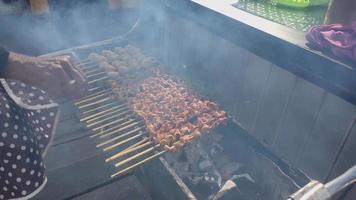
(204, 167)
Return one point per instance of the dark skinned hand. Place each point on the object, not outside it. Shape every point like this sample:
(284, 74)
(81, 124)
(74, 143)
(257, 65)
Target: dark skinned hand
(57, 76)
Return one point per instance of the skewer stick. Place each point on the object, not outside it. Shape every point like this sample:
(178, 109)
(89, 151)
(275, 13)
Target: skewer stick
(97, 80)
(111, 123)
(112, 128)
(97, 74)
(85, 62)
(100, 113)
(87, 73)
(106, 114)
(106, 119)
(94, 103)
(91, 95)
(98, 108)
(92, 98)
(124, 171)
(95, 88)
(123, 153)
(118, 137)
(123, 142)
(136, 156)
(118, 130)
(135, 145)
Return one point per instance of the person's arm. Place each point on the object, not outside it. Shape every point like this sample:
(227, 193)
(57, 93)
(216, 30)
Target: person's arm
(57, 76)
(4, 55)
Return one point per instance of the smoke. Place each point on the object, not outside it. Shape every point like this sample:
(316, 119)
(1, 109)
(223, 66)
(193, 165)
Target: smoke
(69, 23)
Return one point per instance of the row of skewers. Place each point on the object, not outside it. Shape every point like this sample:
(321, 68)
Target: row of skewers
(172, 114)
(139, 113)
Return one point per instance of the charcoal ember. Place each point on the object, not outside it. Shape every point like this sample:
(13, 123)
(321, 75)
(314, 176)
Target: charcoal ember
(229, 191)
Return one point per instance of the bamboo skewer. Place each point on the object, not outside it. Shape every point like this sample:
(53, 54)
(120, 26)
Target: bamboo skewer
(135, 145)
(106, 119)
(98, 108)
(144, 140)
(111, 123)
(106, 114)
(136, 156)
(123, 142)
(118, 137)
(138, 164)
(95, 88)
(87, 73)
(94, 103)
(93, 75)
(100, 113)
(92, 98)
(97, 80)
(118, 130)
(112, 128)
(85, 62)
(125, 152)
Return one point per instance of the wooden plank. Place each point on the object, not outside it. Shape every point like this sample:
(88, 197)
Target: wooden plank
(127, 188)
(273, 104)
(73, 179)
(321, 147)
(74, 151)
(298, 120)
(256, 76)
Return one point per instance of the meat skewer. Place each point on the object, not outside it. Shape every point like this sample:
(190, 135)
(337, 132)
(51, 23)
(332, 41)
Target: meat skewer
(172, 115)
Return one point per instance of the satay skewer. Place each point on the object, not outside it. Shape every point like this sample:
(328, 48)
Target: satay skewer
(91, 95)
(124, 171)
(120, 125)
(120, 129)
(98, 80)
(123, 142)
(136, 156)
(140, 142)
(85, 62)
(99, 108)
(101, 113)
(106, 114)
(95, 88)
(111, 123)
(94, 103)
(93, 71)
(78, 103)
(119, 137)
(94, 75)
(130, 150)
(89, 125)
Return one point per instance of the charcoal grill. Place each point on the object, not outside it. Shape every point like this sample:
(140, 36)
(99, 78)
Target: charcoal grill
(275, 145)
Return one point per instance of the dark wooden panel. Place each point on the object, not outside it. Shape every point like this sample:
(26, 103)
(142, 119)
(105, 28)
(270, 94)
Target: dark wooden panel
(256, 76)
(73, 179)
(74, 151)
(127, 188)
(323, 144)
(271, 109)
(346, 158)
(298, 121)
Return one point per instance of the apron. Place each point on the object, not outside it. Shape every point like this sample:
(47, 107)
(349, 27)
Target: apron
(27, 124)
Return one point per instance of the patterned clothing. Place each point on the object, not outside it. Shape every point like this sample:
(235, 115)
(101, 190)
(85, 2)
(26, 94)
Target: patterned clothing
(27, 123)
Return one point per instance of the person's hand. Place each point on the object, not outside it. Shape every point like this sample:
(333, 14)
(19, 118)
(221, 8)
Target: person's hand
(57, 76)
